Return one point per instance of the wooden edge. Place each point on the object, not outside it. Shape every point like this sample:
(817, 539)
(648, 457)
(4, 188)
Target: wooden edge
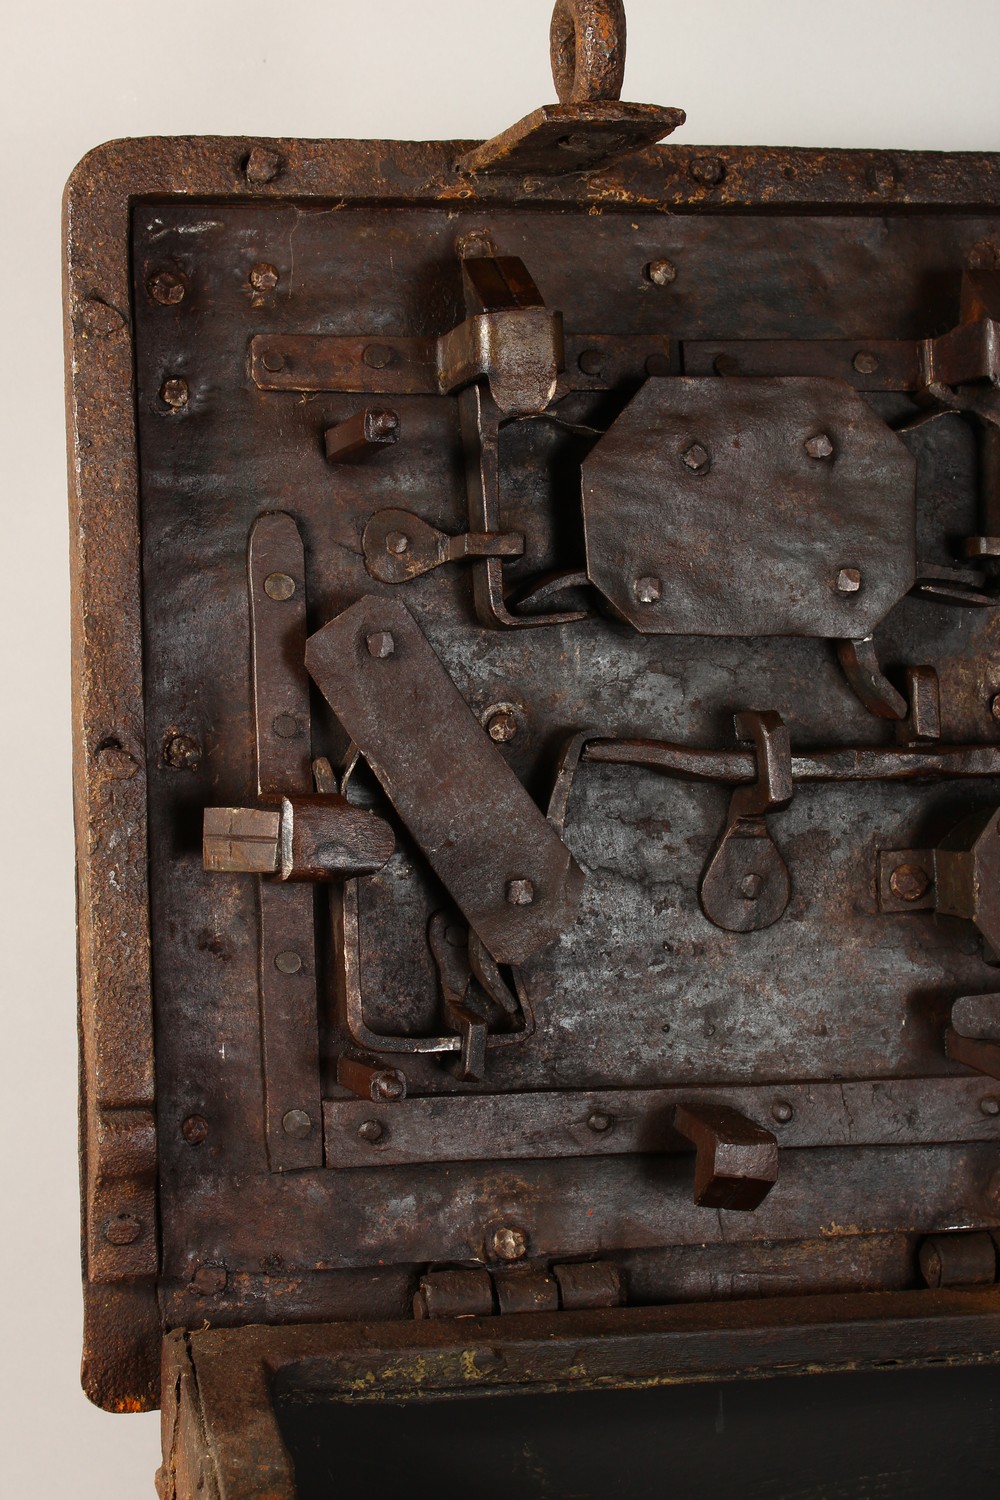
(116, 1028)
(234, 1377)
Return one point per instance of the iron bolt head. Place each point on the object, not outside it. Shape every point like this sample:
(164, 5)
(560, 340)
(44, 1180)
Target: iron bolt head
(648, 590)
(297, 1124)
(661, 272)
(510, 1244)
(990, 1105)
(261, 166)
(819, 446)
(396, 542)
(751, 886)
(848, 580)
(520, 892)
(708, 170)
(389, 1088)
(181, 752)
(697, 459)
(167, 288)
(383, 424)
(263, 277)
(287, 727)
(279, 586)
(195, 1130)
(865, 362)
(174, 392)
(287, 962)
(117, 763)
(909, 882)
(377, 356)
(371, 1131)
(781, 1111)
(381, 645)
(123, 1229)
(272, 361)
(208, 1281)
(599, 1122)
(501, 726)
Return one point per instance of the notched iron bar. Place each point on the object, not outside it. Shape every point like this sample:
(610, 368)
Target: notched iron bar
(620, 1122)
(860, 763)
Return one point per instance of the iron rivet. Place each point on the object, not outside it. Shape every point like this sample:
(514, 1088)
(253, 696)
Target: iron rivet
(123, 1229)
(848, 580)
(287, 962)
(909, 882)
(591, 362)
(381, 645)
(371, 1131)
(697, 459)
(287, 727)
(181, 752)
(990, 1105)
(865, 363)
(599, 1122)
(520, 892)
(377, 356)
(297, 1124)
(648, 590)
(279, 586)
(661, 272)
(501, 725)
(726, 364)
(262, 165)
(819, 446)
(396, 542)
(272, 360)
(751, 886)
(781, 1111)
(708, 170)
(389, 1088)
(174, 392)
(167, 288)
(510, 1244)
(207, 1281)
(194, 1130)
(117, 763)
(263, 277)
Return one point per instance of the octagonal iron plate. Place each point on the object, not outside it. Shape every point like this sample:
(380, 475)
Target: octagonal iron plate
(707, 513)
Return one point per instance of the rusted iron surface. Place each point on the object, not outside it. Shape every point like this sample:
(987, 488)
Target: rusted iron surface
(510, 323)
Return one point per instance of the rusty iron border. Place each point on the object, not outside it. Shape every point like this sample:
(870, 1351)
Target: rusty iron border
(122, 1331)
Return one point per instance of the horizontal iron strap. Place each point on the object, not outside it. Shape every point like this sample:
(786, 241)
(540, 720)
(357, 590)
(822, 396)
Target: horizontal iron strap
(862, 763)
(867, 364)
(618, 1122)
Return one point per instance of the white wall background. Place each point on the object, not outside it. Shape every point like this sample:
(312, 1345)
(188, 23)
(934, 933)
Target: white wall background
(73, 73)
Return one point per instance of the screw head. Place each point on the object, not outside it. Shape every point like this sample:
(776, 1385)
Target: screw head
(123, 1229)
(371, 1131)
(648, 590)
(909, 882)
(263, 277)
(377, 356)
(279, 586)
(167, 288)
(520, 892)
(848, 580)
(990, 1105)
(865, 362)
(381, 645)
(195, 1130)
(781, 1111)
(751, 886)
(708, 170)
(287, 962)
(599, 1122)
(287, 727)
(174, 393)
(181, 752)
(389, 1088)
(396, 542)
(501, 726)
(661, 272)
(297, 1124)
(509, 1243)
(261, 165)
(819, 446)
(697, 459)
